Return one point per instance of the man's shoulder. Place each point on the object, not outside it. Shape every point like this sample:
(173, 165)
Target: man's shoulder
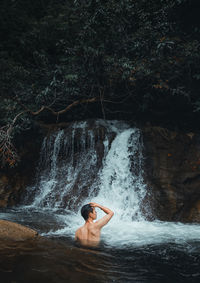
(94, 226)
(79, 229)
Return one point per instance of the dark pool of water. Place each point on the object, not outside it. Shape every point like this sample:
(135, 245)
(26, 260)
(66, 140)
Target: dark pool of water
(59, 259)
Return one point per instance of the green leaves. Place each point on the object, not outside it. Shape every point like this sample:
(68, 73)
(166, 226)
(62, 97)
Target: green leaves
(54, 52)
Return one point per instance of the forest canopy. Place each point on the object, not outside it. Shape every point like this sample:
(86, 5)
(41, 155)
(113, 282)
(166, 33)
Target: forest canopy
(137, 60)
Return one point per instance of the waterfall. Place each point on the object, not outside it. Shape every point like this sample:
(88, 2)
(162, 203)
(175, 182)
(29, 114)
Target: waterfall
(102, 162)
(99, 161)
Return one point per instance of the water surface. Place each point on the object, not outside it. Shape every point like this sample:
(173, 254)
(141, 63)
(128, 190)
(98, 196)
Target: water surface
(56, 258)
(100, 162)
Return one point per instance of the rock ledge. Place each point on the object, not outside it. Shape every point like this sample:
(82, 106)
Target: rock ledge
(13, 231)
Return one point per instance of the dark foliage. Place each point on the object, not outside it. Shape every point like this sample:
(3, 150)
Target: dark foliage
(141, 58)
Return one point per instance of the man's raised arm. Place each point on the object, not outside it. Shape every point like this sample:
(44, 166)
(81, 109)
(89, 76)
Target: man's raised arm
(104, 220)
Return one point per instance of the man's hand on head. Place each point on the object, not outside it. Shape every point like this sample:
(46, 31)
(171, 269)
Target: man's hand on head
(94, 204)
(105, 209)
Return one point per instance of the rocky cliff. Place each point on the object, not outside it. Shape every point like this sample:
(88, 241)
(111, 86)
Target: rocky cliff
(172, 166)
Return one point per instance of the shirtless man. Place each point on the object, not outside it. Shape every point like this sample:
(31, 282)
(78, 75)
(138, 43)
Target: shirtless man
(89, 233)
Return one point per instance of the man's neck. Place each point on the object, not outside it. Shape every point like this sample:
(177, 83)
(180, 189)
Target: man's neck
(89, 221)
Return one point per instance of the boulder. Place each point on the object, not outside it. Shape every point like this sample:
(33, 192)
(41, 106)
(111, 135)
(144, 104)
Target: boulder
(16, 232)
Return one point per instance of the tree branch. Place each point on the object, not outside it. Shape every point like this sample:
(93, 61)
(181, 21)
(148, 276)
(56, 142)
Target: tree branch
(75, 103)
(8, 154)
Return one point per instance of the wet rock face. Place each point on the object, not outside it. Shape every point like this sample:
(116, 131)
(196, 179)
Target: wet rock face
(172, 166)
(10, 187)
(13, 181)
(13, 231)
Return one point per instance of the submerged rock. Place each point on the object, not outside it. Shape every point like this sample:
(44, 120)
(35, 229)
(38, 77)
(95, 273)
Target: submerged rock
(16, 232)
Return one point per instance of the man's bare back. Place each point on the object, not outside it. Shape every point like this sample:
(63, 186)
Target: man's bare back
(90, 232)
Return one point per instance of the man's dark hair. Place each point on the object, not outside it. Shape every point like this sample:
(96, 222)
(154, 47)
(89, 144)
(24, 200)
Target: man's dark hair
(85, 210)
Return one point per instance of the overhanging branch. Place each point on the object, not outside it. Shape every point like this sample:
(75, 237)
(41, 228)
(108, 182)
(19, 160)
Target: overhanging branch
(8, 153)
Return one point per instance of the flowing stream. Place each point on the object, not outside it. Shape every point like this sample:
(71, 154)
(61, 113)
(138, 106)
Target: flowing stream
(101, 161)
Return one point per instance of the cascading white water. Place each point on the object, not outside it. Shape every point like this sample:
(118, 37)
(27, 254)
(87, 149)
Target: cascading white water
(120, 187)
(72, 173)
(119, 175)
